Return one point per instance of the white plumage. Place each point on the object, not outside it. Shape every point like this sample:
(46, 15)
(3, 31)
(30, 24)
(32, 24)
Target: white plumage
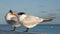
(11, 19)
(31, 21)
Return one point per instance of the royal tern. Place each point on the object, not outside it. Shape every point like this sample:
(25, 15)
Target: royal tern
(31, 21)
(11, 19)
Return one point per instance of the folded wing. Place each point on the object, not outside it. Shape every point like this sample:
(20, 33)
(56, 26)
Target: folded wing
(31, 21)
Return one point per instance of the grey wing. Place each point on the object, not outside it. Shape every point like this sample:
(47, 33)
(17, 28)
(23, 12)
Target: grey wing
(47, 19)
(31, 20)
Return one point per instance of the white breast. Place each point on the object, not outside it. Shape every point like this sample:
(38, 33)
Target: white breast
(12, 20)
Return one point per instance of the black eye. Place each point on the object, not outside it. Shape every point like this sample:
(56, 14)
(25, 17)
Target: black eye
(21, 13)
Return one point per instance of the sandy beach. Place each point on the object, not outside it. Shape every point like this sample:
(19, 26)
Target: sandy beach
(15, 32)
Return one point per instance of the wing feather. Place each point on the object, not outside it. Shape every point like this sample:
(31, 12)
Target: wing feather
(31, 21)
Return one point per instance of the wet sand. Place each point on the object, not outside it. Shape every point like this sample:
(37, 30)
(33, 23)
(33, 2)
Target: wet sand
(15, 32)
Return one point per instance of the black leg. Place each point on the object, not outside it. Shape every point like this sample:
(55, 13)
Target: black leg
(26, 30)
(13, 29)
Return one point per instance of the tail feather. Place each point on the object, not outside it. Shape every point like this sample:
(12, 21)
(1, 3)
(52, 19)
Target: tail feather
(47, 19)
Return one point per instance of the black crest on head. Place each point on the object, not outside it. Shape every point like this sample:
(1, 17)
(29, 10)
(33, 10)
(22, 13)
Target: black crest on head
(10, 11)
(21, 13)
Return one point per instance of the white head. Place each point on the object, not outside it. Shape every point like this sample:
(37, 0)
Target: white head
(10, 12)
(9, 15)
(21, 15)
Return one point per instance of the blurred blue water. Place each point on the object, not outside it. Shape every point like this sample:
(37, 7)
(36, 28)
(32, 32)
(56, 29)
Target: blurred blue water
(42, 28)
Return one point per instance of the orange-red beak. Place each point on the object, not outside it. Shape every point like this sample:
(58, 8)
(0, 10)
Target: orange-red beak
(13, 14)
